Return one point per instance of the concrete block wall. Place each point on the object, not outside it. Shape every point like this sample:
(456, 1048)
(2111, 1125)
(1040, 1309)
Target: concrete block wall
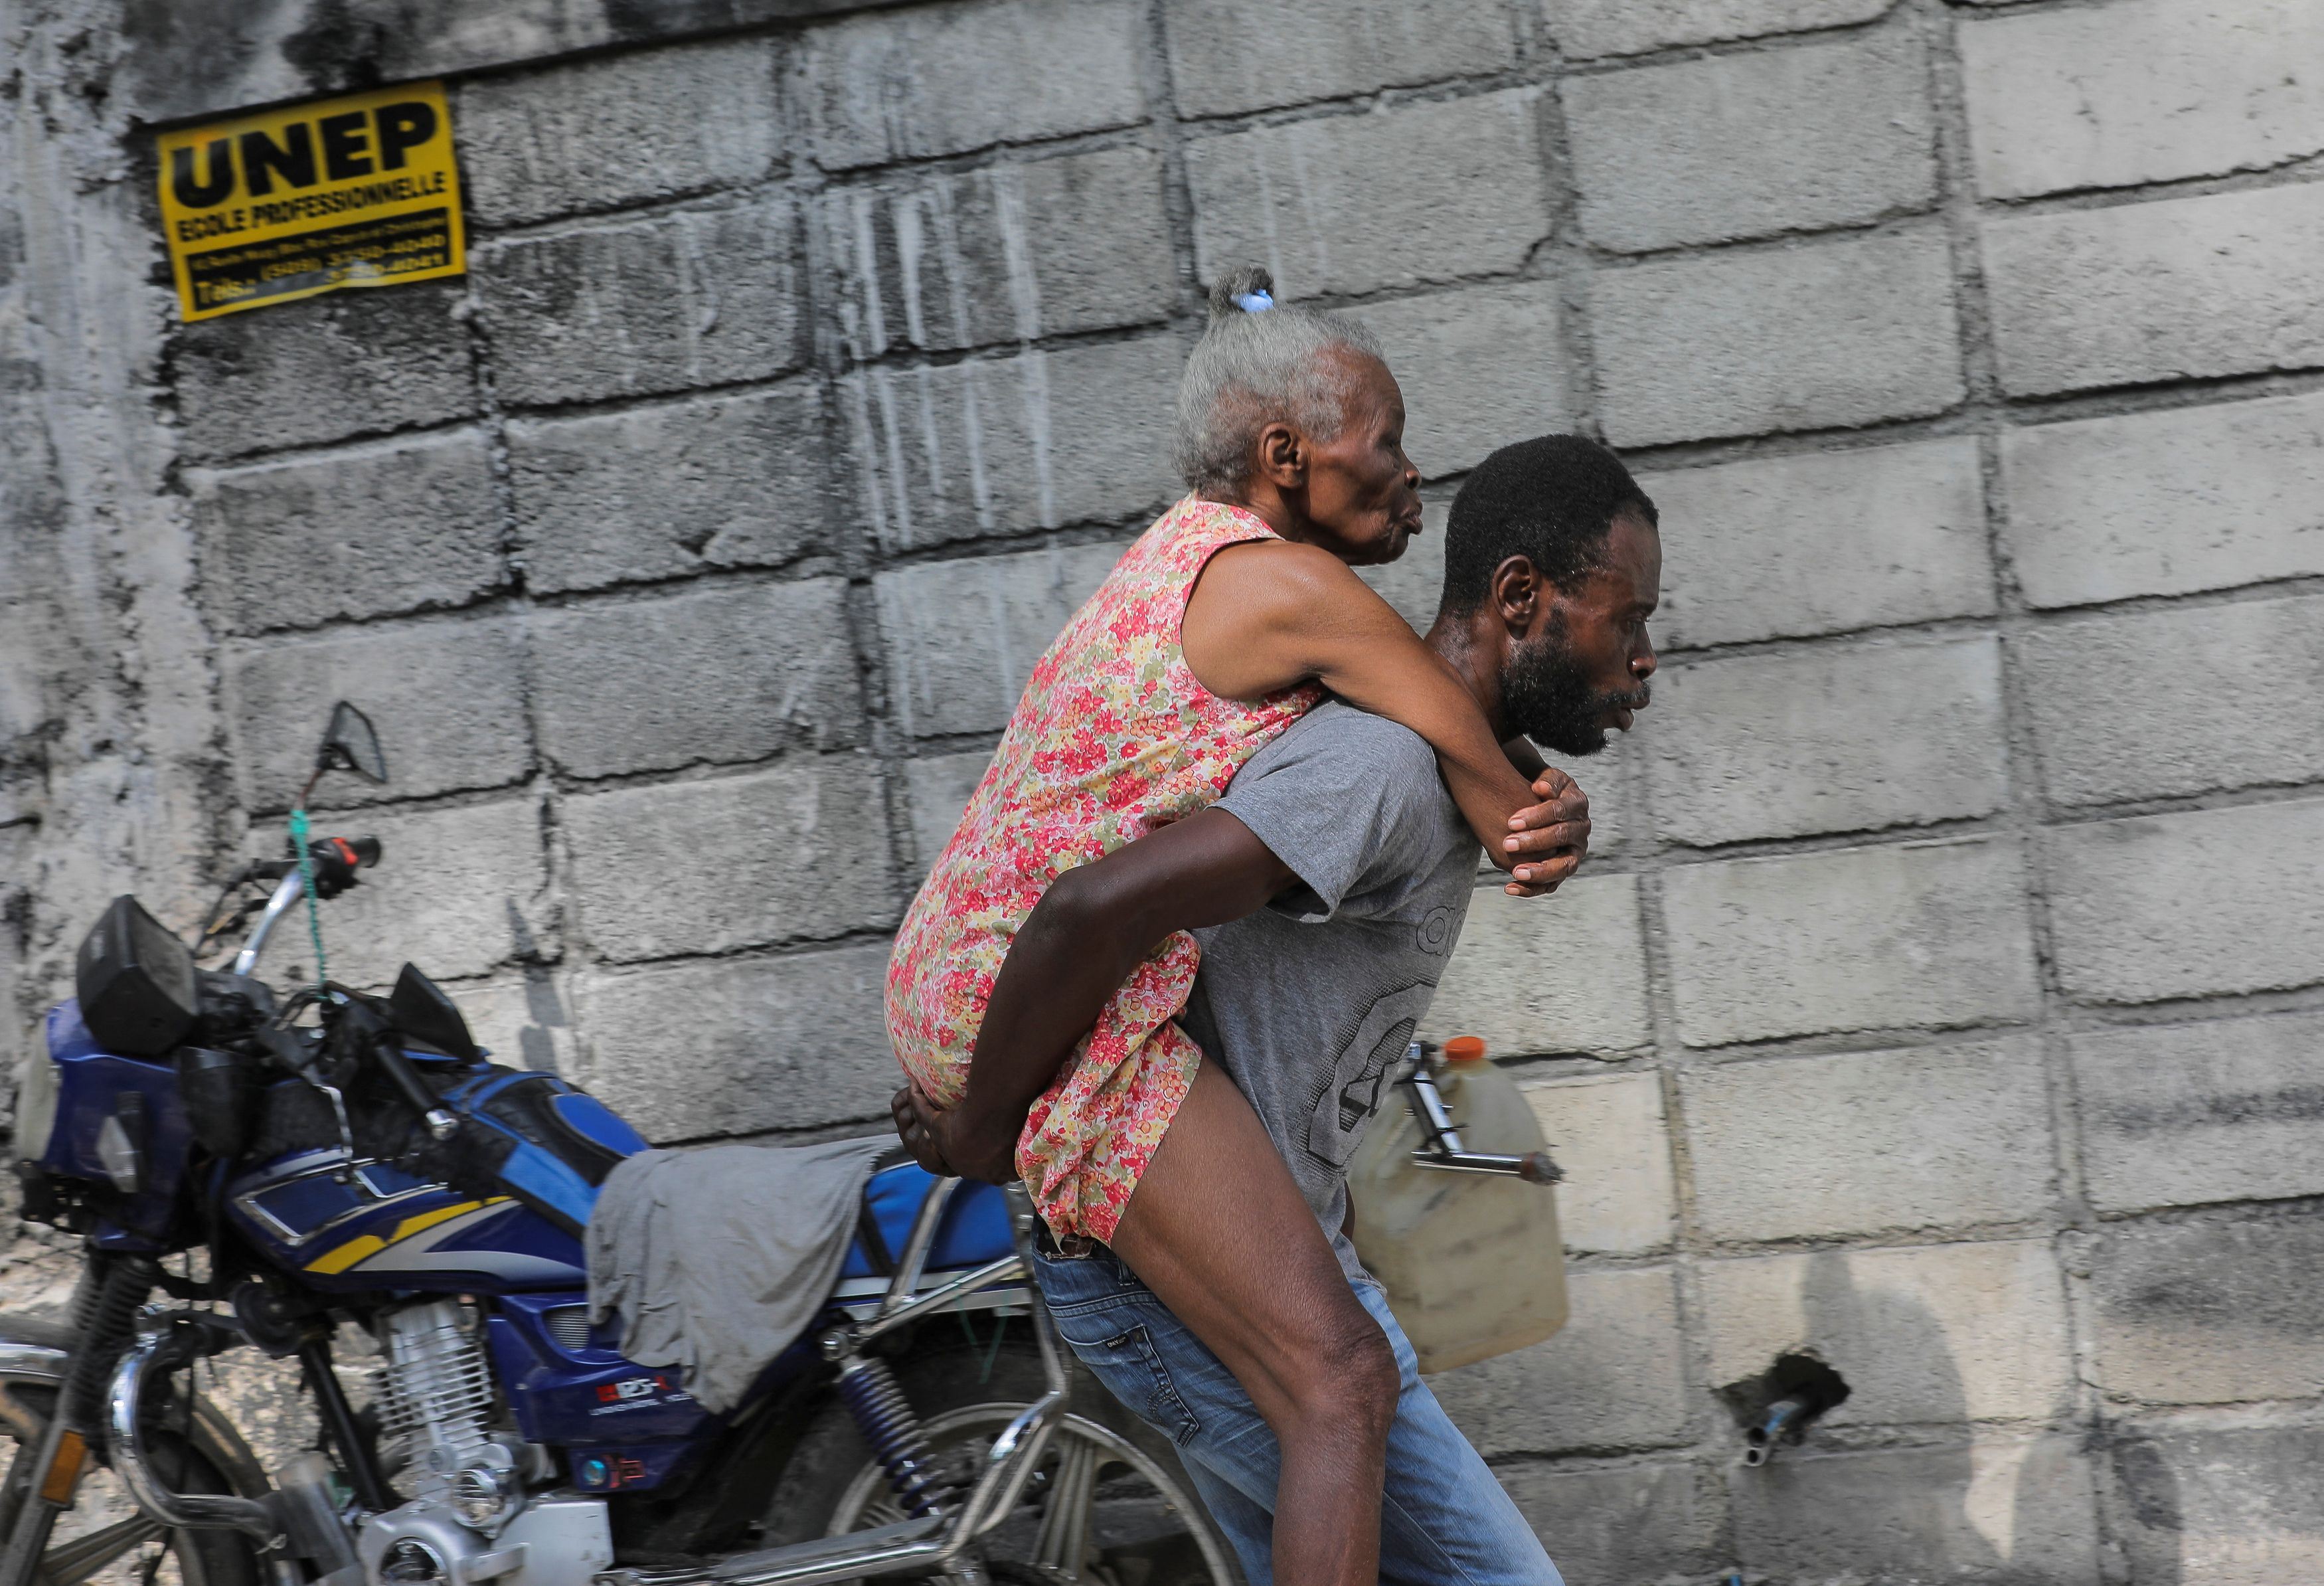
(1946, 995)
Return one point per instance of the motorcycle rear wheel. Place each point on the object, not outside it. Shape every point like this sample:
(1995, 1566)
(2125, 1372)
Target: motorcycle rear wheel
(1110, 1503)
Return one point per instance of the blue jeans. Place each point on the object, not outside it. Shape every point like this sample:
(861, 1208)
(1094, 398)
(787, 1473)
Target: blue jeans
(1444, 1520)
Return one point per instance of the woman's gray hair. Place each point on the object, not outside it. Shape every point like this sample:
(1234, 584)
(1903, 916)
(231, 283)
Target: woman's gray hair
(1260, 361)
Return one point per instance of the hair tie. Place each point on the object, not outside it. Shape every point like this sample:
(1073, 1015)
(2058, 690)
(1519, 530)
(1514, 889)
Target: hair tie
(1255, 303)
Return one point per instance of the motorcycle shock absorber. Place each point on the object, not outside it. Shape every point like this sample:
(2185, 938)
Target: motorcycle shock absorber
(884, 1416)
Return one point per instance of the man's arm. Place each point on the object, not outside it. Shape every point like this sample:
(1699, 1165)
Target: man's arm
(1074, 950)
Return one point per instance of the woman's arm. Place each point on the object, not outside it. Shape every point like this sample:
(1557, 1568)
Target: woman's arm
(1266, 616)
(1074, 950)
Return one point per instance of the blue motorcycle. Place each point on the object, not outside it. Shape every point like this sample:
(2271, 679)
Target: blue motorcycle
(298, 1176)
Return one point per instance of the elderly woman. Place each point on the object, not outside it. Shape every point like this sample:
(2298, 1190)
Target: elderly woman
(1224, 622)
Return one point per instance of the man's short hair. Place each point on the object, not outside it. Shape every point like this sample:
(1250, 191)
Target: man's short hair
(1552, 501)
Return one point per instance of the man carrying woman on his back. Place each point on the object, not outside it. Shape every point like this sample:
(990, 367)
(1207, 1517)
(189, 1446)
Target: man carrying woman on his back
(1045, 994)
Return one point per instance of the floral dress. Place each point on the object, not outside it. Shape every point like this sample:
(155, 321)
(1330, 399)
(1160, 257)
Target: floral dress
(1112, 738)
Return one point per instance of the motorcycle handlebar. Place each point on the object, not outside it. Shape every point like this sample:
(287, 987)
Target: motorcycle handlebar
(337, 860)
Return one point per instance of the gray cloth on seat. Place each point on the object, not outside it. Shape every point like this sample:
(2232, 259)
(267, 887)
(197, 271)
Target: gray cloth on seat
(715, 1260)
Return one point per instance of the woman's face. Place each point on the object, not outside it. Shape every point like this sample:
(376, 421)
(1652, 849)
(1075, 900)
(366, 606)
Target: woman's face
(1363, 494)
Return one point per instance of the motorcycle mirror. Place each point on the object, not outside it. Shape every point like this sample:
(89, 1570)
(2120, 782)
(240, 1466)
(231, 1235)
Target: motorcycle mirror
(351, 744)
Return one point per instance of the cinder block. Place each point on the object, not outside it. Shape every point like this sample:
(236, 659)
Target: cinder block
(2146, 705)
(2163, 503)
(1586, 28)
(2180, 1115)
(907, 85)
(764, 1043)
(2147, 91)
(616, 129)
(1615, 781)
(996, 446)
(1828, 334)
(658, 492)
(350, 364)
(703, 296)
(1562, 973)
(2210, 1313)
(1747, 145)
(2208, 902)
(1822, 542)
(448, 699)
(524, 1023)
(779, 855)
(962, 637)
(2173, 290)
(1865, 1142)
(1930, 934)
(458, 892)
(939, 786)
(1609, 1135)
(715, 675)
(2223, 1506)
(379, 529)
(2020, 1510)
(1325, 49)
(1009, 252)
(1479, 369)
(1941, 1333)
(1840, 738)
(1345, 203)
(1615, 1375)
(1650, 1522)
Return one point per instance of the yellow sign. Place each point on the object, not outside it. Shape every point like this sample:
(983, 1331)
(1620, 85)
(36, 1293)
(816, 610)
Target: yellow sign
(356, 191)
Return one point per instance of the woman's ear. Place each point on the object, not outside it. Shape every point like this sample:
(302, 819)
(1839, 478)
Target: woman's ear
(1283, 457)
(1518, 593)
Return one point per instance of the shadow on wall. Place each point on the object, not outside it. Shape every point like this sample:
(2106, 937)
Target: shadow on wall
(547, 1010)
(1960, 1507)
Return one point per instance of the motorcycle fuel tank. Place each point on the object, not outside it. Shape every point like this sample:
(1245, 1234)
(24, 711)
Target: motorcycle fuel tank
(362, 1224)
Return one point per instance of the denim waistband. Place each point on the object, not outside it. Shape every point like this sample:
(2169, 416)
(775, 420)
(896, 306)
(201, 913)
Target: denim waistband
(1073, 1247)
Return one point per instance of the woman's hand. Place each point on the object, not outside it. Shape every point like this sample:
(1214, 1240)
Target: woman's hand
(1548, 841)
(939, 1141)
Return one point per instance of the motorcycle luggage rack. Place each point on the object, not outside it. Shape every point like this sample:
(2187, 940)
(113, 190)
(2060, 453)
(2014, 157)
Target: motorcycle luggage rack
(1443, 1149)
(931, 1542)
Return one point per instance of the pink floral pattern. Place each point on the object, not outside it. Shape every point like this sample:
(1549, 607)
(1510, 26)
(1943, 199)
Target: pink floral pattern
(1112, 738)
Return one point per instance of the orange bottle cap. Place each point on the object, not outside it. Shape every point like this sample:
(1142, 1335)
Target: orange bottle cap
(1464, 1050)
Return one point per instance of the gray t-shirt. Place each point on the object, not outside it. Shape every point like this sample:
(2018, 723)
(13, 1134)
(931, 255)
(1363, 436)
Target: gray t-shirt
(1309, 1003)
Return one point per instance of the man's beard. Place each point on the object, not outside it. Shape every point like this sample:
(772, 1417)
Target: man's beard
(1545, 697)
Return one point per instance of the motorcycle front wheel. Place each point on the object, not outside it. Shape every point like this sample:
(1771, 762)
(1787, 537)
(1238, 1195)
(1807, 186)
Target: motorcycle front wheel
(102, 1540)
(1110, 1504)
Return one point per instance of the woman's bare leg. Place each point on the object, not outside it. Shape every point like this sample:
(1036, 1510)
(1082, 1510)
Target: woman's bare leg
(1219, 1230)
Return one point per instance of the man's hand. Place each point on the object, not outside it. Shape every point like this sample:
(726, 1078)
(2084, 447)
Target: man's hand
(938, 1142)
(1548, 842)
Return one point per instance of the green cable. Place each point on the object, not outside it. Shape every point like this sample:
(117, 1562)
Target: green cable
(306, 885)
(1000, 1327)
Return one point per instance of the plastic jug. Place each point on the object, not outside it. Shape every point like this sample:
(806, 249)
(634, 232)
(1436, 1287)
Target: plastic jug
(1473, 1263)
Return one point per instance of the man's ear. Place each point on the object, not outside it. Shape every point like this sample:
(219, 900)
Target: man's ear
(1283, 457)
(1519, 593)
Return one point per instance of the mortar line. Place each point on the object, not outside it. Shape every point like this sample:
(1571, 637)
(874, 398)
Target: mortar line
(555, 967)
(850, 526)
(2081, 1406)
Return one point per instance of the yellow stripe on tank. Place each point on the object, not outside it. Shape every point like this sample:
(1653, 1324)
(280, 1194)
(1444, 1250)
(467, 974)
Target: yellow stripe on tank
(360, 1249)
